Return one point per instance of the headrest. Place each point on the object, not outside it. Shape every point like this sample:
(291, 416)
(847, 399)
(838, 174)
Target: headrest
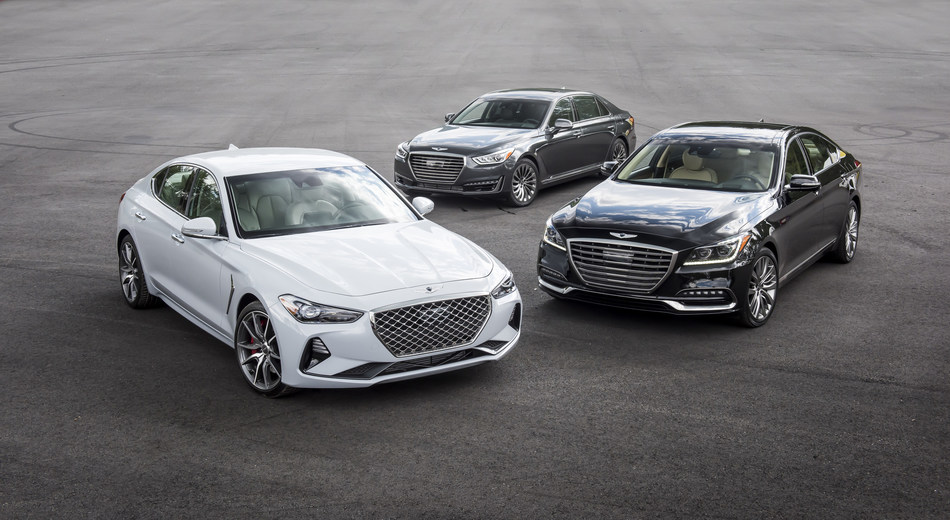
(280, 187)
(692, 162)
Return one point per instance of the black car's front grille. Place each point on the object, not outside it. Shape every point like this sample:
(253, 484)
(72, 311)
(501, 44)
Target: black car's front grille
(624, 267)
(440, 168)
(432, 326)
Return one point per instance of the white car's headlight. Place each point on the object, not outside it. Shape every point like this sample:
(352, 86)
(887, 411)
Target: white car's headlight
(506, 287)
(722, 252)
(402, 150)
(494, 158)
(309, 312)
(551, 236)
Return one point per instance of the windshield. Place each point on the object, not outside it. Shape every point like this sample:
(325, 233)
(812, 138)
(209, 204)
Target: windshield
(705, 164)
(505, 113)
(319, 199)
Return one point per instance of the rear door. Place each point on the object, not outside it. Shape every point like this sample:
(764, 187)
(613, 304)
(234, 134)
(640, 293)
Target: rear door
(597, 131)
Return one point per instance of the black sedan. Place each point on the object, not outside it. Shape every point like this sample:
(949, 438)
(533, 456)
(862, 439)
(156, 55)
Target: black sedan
(706, 218)
(511, 143)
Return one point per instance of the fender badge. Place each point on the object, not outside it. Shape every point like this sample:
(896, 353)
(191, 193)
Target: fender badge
(622, 235)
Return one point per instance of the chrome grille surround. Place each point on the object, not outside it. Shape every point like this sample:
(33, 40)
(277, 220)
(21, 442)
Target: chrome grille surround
(442, 168)
(619, 265)
(432, 326)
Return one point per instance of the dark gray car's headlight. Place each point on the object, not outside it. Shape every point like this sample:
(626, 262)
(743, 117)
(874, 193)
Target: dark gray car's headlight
(402, 150)
(723, 252)
(506, 287)
(308, 312)
(551, 236)
(494, 158)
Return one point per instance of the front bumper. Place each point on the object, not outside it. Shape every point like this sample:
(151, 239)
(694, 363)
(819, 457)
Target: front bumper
(473, 179)
(357, 358)
(685, 290)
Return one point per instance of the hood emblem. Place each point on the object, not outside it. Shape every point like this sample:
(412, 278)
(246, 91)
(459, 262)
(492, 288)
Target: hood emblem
(622, 235)
(439, 148)
(429, 289)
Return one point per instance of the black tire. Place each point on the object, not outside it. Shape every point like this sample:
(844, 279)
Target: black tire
(757, 303)
(132, 276)
(523, 184)
(258, 353)
(847, 243)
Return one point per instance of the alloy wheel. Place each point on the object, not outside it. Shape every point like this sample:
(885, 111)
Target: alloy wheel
(129, 272)
(258, 352)
(851, 234)
(762, 286)
(618, 152)
(524, 183)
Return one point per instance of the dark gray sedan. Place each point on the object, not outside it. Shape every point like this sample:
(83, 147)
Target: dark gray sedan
(511, 143)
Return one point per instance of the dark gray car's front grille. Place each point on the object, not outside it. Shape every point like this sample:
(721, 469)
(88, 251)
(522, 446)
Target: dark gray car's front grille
(431, 167)
(427, 327)
(620, 266)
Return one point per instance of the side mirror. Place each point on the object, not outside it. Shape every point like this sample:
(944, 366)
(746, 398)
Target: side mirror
(449, 116)
(608, 168)
(804, 183)
(559, 125)
(423, 205)
(201, 227)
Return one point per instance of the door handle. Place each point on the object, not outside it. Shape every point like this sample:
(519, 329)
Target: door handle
(139, 215)
(178, 238)
(576, 133)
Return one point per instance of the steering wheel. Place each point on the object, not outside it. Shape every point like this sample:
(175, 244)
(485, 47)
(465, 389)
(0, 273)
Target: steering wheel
(755, 180)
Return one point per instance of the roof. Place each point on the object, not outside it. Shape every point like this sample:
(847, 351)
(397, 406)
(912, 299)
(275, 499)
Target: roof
(533, 93)
(257, 160)
(730, 130)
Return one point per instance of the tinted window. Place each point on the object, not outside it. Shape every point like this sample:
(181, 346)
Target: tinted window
(507, 113)
(821, 153)
(586, 107)
(794, 161)
(175, 186)
(603, 109)
(562, 110)
(205, 199)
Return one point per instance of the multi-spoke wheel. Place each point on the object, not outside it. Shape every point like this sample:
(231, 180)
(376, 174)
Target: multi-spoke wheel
(759, 302)
(523, 186)
(132, 277)
(255, 342)
(618, 151)
(848, 238)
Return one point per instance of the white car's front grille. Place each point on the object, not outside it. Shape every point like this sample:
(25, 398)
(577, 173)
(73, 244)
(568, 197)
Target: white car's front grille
(432, 326)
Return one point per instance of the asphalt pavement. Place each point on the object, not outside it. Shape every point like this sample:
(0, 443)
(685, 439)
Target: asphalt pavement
(838, 408)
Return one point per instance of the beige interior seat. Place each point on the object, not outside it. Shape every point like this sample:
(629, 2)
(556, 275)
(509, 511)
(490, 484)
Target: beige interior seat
(693, 169)
(317, 213)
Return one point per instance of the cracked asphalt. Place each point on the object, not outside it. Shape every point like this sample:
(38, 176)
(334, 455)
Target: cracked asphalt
(838, 408)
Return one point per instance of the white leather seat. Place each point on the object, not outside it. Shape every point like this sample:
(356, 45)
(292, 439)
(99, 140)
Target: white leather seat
(693, 169)
(314, 212)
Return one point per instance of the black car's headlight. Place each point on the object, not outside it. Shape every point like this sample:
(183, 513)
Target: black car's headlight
(551, 236)
(308, 312)
(402, 150)
(506, 287)
(494, 158)
(722, 252)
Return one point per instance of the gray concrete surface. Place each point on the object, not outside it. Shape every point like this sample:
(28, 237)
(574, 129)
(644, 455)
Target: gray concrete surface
(838, 408)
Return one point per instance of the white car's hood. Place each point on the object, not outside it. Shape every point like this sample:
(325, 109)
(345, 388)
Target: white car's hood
(373, 259)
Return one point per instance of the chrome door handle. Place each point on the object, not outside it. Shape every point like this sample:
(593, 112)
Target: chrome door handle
(576, 133)
(139, 215)
(178, 238)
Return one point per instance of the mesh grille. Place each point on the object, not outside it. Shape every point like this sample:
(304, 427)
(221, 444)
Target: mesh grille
(432, 326)
(624, 267)
(440, 168)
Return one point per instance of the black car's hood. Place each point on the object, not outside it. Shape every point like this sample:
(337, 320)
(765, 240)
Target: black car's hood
(686, 216)
(467, 139)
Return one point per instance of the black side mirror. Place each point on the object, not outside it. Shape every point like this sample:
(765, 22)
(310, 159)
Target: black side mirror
(608, 168)
(804, 183)
(449, 116)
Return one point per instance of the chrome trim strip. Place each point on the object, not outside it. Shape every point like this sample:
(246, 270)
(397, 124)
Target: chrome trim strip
(673, 304)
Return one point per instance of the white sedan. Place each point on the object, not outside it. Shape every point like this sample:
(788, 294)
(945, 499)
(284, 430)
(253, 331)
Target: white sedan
(313, 268)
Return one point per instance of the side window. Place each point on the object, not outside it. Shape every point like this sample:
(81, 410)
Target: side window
(821, 153)
(205, 198)
(603, 109)
(176, 185)
(794, 161)
(562, 110)
(586, 107)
